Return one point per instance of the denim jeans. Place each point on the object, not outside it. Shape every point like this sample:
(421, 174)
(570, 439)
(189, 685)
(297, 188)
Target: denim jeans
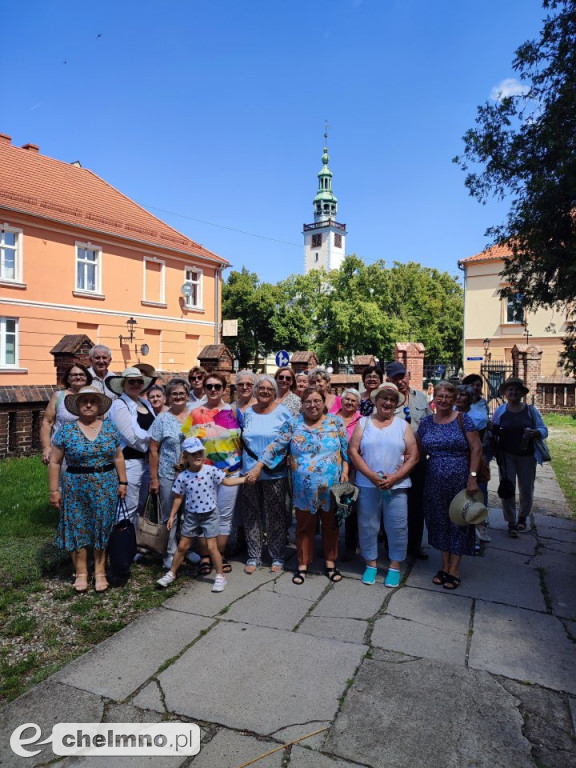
(371, 509)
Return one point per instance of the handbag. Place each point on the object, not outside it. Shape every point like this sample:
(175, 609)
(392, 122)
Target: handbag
(122, 542)
(540, 441)
(151, 532)
(483, 470)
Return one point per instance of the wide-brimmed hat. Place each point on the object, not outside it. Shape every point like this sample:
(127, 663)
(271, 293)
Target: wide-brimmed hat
(392, 387)
(192, 445)
(468, 510)
(116, 383)
(147, 370)
(514, 381)
(71, 401)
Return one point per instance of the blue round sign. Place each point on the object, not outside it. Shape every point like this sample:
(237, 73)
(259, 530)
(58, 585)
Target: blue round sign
(282, 359)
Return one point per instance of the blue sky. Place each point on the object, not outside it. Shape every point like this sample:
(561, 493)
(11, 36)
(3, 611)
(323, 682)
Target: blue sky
(215, 111)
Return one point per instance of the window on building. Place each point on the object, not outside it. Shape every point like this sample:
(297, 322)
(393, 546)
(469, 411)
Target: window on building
(193, 277)
(337, 240)
(88, 268)
(316, 241)
(8, 342)
(153, 280)
(10, 253)
(515, 308)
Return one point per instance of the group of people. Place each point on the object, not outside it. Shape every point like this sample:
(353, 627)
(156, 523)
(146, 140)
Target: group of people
(278, 449)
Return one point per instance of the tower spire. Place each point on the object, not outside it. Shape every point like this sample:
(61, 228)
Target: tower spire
(325, 202)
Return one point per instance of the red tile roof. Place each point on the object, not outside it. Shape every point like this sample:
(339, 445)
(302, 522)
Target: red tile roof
(42, 186)
(496, 253)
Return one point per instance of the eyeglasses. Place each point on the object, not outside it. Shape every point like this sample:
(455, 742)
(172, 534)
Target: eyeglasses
(266, 391)
(76, 375)
(313, 402)
(245, 384)
(210, 387)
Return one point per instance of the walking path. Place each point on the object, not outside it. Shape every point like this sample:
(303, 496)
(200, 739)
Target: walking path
(417, 676)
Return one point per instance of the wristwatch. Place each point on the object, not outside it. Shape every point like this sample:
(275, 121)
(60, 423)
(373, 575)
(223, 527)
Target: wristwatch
(473, 474)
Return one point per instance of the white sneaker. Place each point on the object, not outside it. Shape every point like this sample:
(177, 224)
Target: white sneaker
(481, 533)
(219, 583)
(193, 557)
(166, 580)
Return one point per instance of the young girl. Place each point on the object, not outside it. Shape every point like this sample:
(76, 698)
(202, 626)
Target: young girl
(198, 485)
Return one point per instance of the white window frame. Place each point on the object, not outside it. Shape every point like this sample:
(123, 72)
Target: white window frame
(507, 303)
(162, 300)
(3, 334)
(199, 282)
(17, 254)
(97, 290)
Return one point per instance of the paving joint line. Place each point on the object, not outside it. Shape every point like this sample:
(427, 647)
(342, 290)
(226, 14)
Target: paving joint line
(470, 633)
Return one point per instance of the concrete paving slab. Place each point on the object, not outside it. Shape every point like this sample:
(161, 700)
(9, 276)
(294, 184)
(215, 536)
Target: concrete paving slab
(559, 574)
(158, 761)
(198, 598)
(45, 705)
(557, 536)
(123, 662)
(268, 609)
(438, 610)
(523, 645)
(286, 735)
(229, 750)
(351, 600)
(553, 545)
(525, 544)
(309, 758)
(311, 590)
(428, 714)
(259, 687)
(546, 522)
(150, 698)
(345, 630)
(572, 705)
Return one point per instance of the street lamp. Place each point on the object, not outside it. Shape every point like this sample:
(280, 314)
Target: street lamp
(130, 326)
(486, 343)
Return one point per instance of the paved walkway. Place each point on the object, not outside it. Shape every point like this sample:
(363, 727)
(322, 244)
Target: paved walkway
(416, 676)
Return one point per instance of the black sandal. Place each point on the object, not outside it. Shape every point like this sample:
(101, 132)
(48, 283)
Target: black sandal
(333, 574)
(299, 577)
(205, 567)
(452, 582)
(440, 578)
(226, 566)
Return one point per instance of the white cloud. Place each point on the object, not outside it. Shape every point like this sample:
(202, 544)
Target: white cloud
(508, 87)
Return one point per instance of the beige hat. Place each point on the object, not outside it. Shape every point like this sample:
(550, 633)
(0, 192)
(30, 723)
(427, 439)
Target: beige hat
(71, 401)
(468, 510)
(389, 386)
(116, 383)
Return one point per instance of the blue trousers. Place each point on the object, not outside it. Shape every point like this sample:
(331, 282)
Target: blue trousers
(371, 509)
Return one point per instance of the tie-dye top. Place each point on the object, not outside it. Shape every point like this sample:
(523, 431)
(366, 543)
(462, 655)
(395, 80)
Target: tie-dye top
(219, 430)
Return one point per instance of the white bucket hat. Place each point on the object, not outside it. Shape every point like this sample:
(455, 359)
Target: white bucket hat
(468, 510)
(116, 383)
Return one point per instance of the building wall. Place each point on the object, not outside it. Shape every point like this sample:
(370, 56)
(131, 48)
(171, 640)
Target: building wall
(137, 281)
(329, 256)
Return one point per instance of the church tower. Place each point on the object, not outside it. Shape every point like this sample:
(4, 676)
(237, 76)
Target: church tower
(325, 239)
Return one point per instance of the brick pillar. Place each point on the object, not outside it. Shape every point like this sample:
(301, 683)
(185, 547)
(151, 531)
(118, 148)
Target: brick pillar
(411, 355)
(527, 364)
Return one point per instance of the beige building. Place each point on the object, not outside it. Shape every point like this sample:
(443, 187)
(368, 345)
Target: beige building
(493, 324)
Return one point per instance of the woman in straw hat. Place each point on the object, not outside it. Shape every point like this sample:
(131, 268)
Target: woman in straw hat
(95, 476)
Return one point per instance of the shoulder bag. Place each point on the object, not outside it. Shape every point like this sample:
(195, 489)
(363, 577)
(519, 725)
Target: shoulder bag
(540, 441)
(122, 542)
(151, 532)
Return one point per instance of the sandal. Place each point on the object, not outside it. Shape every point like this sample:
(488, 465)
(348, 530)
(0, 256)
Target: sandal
(299, 577)
(440, 578)
(100, 582)
(452, 582)
(333, 574)
(251, 566)
(226, 566)
(205, 568)
(277, 566)
(81, 583)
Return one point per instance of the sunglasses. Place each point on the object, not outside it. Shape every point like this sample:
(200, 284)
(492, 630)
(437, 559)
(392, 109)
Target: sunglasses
(210, 387)
(195, 378)
(284, 378)
(135, 381)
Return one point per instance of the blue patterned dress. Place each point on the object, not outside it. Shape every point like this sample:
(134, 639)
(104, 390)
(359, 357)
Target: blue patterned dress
(446, 475)
(88, 500)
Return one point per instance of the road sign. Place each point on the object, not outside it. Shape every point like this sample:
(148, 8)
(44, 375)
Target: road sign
(475, 358)
(282, 359)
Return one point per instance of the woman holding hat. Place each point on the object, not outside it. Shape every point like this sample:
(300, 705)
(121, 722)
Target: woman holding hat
(133, 416)
(95, 476)
(516, 425)
(383, 450)
(450, 441)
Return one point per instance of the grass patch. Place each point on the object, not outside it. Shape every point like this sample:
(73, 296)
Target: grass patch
(562, 444)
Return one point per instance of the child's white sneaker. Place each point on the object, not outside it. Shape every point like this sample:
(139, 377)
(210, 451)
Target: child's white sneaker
(219, 583)
(166, 580)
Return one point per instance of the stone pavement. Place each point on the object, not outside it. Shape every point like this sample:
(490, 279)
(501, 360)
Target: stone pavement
(417, 676)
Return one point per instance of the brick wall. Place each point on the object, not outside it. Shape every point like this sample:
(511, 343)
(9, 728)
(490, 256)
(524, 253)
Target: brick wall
(21, 413)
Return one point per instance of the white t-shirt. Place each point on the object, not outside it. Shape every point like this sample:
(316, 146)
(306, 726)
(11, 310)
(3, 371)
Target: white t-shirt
(383, 450)
(199, 488)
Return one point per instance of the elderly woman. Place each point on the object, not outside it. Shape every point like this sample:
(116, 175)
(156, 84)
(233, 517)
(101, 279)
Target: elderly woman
(95, 476)
(157, 398)
(286, 381)
(318, 448)
(301, 383)
(244, 382)
(451, 442)
(320, 379)
(56, 414)
(196, 376)
(217, 425)
(518, 428)
(383, 450)
(263, 502)
(372, 377)
(166, 438)
(133, 416)
(349, 410)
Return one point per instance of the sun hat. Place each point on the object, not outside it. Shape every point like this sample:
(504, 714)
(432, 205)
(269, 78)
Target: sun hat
(514, 381)
(468, 510)
(147, 370)
(395, 369)
(345, 495)
(192, 445)
(71, 401)
(116, 383)
(392, 387)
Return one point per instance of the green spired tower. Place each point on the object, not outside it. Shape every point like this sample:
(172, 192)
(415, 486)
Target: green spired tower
(325, 239)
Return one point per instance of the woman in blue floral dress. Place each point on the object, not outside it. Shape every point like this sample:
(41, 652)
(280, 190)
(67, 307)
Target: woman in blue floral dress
(318, 447)
(94, 478)
(453, 453)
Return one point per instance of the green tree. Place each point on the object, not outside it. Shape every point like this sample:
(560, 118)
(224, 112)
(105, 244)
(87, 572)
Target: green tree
(526, 146)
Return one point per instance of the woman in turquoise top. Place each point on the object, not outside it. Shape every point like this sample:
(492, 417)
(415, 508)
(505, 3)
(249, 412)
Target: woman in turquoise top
(318, 448)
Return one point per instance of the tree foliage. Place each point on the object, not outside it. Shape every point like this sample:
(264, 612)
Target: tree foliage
(526, 146)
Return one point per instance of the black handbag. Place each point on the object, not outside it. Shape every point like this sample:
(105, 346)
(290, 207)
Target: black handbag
(122, 543)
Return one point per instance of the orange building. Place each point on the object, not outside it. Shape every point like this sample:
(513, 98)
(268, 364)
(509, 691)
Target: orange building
(79, 257)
